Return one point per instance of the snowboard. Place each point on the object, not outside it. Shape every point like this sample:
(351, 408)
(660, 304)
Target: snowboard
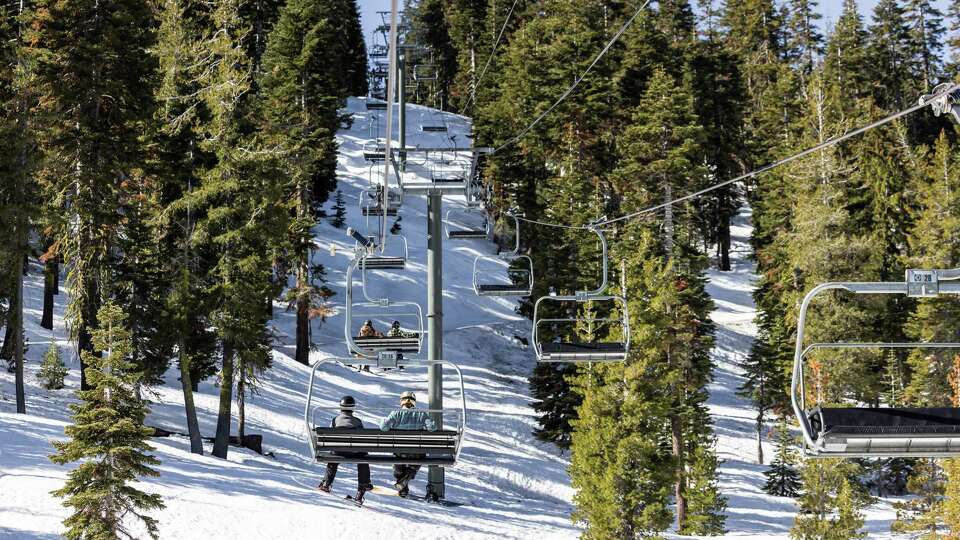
(377, 490)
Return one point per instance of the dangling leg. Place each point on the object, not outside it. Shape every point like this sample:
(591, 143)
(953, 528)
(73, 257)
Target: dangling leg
(363, 477)
(328, 477)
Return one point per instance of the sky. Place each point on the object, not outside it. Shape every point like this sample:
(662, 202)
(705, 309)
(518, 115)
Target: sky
(829, 8)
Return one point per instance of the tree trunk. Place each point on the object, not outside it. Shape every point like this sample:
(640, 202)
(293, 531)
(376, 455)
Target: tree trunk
(241, 405)
(49, 282)
(193, 427)
(303, 312)
(18, 338)
(760, 437)
(56, 275)
(6, 352)
(723, 235)
(680, 485)
(221, 441)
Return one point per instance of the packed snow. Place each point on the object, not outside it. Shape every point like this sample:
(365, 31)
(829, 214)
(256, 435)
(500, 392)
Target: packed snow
(510, 485)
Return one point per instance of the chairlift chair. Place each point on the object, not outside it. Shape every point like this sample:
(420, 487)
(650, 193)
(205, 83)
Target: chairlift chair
(372, 205)
(433, 128)
(830, 431)
(382, 311)
(371, 445)
(376, 105)
(374, 151)
(380, 261)
(519, 271)
(583, 351)
(463, 224)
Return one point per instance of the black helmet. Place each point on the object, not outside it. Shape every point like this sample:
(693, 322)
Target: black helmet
(347, 402)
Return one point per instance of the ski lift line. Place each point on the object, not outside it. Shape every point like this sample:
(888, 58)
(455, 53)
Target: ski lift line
(578, 80)
(766, 168)
(496, 43)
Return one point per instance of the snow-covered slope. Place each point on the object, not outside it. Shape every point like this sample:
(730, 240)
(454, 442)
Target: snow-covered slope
(511, 485)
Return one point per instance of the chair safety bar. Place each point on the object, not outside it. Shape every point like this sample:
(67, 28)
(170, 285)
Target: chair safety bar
(917, 283)
(308, 411)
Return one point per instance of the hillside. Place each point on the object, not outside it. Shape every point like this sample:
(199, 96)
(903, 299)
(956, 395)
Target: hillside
(510, 485)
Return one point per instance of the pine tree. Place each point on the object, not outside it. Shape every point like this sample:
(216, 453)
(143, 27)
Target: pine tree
(803, 41)
(845, 55)
(926, 33)
(706, 505)
(339, 211)
(889, 56)
(953, 39)
(619, 467)
(52, 370)
(178, 164)
(937, 215)
(240, 184)
(661, 152)
(301, 94)
(830, 508)
(110, 440)
(18, 194)
(92, 110)
(921, 513)
(783, 480)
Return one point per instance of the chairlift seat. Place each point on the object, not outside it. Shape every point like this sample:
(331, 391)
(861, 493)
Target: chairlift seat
(886, 431)
(420, 447)
(502, 290)
(395, 344)
(565, 351)
(371, 262)
(378, 211)
(467, 234)
(374, 156)
(433, 129)
(376, 106)
(448, 180)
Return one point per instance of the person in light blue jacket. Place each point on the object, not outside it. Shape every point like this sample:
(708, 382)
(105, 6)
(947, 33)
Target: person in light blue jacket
(407, 417)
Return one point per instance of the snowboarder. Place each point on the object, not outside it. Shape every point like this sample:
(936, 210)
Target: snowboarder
(346, 420)
(407, 418)
(396, 331)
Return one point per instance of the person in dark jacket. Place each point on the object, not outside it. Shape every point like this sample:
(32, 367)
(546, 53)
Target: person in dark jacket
(407, 417)
(346, 420)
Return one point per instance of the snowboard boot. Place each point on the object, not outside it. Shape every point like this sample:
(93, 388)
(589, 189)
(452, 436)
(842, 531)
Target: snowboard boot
(402, 488)
(324, 487)
(358, 498)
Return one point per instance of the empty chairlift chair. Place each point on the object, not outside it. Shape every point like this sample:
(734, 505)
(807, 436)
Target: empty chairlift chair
(466, 224)
(374, 151)
(393, 258)
(382, 313)
(515, 271)
(830, 431)
(421, 447)
(560, 350)
(371, 205)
